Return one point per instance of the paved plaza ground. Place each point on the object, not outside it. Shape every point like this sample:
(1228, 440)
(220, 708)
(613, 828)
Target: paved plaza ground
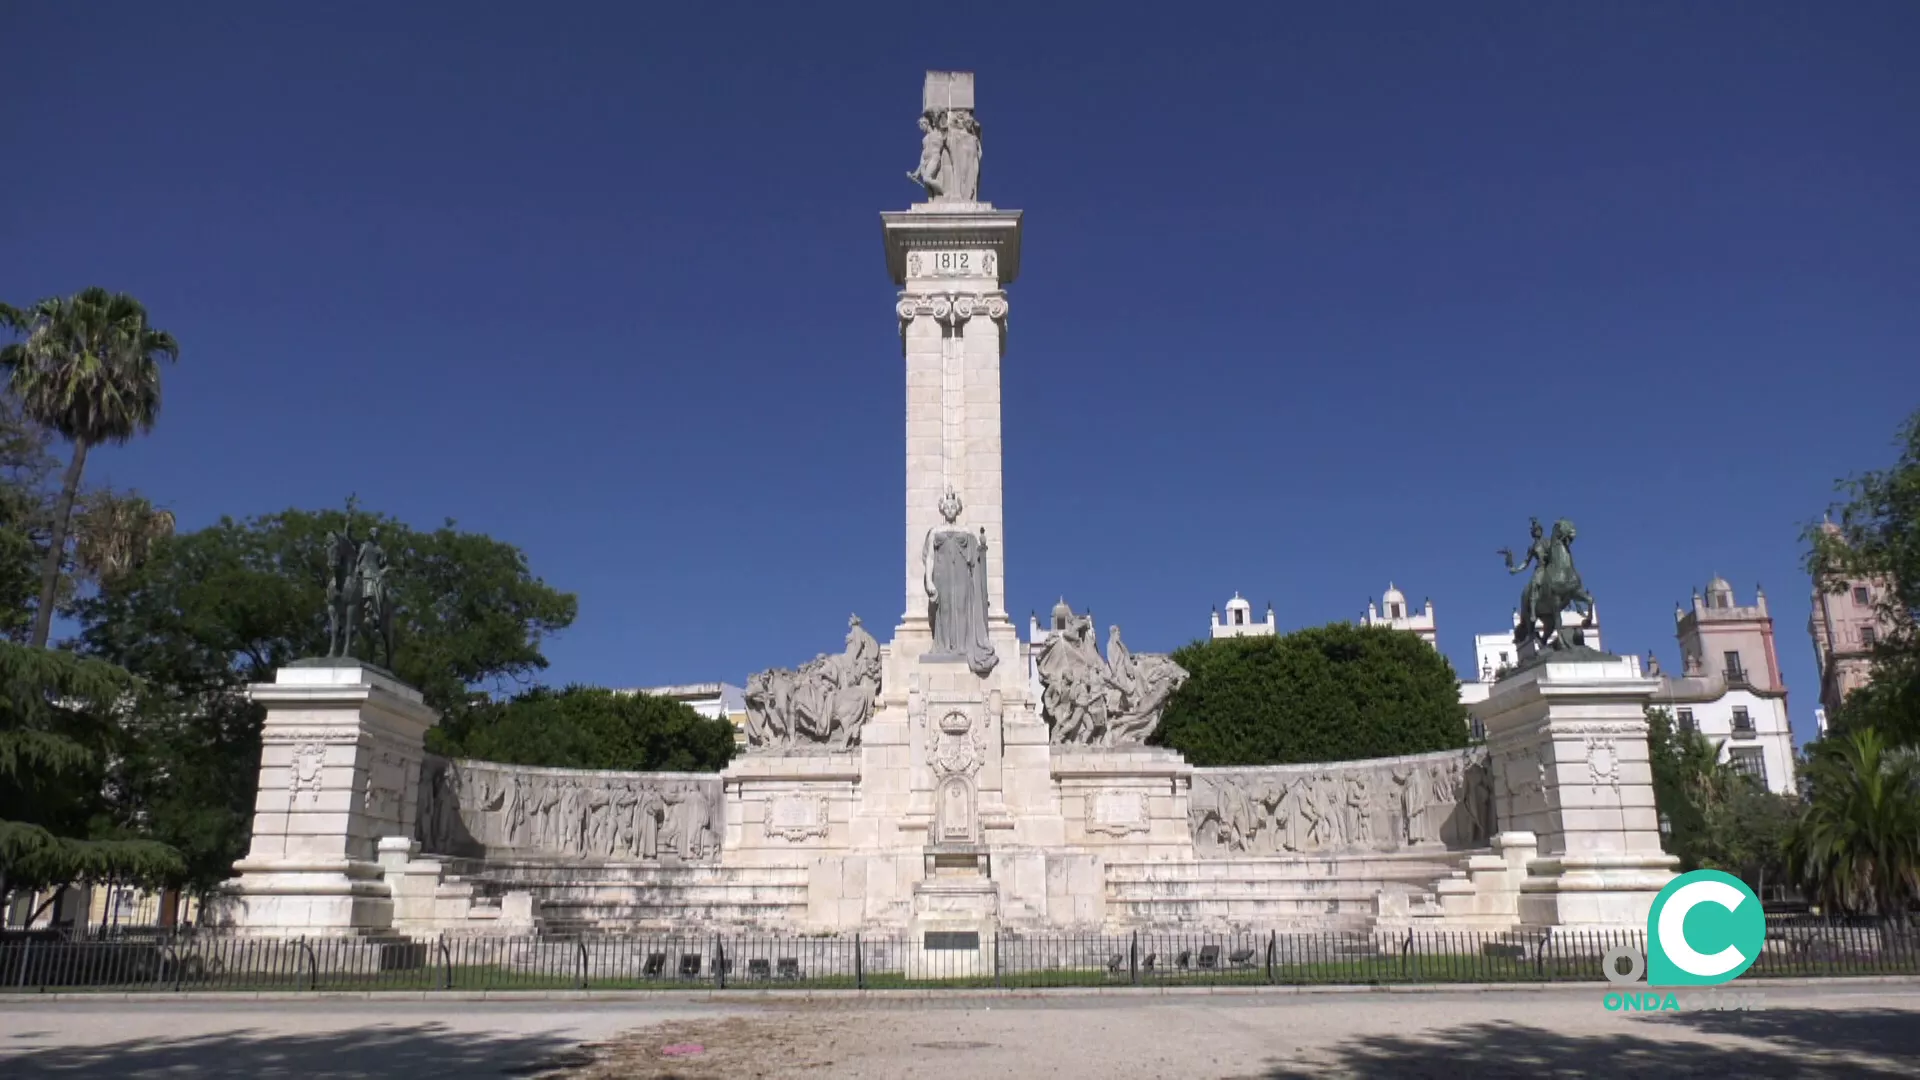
(1820, 1030)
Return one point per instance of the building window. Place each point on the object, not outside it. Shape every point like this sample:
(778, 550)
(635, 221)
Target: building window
(1862, 597)
(1503, 659)
(1686, 721)
(1239, 617)
(1869, 637)
(1749, 761)
(1742, 723)
(1734, 671)
(1394, 610)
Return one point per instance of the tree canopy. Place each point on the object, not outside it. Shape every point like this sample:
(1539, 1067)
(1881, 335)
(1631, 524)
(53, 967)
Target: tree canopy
(58, 726)
(589, 728)
(1875, 534)
(1857, 849)
(1331, 693)
(1720, 819)
(232, 603)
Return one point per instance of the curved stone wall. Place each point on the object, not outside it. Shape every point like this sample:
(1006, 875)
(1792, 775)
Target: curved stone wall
(480, 809)
(1420, 801)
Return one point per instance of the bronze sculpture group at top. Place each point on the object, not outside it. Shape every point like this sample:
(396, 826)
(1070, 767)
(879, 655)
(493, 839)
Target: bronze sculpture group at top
(358, 591)
(1553, 588)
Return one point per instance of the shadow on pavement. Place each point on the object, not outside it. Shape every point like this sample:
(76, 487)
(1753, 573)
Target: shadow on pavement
(1864, 1044)
(407, 1051)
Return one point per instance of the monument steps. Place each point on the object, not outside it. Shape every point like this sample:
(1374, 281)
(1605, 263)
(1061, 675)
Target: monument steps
(605, 898)
(1305, 892)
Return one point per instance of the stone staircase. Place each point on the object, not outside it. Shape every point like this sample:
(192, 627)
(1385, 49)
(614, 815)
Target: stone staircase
(615, 898)
(1339, 892)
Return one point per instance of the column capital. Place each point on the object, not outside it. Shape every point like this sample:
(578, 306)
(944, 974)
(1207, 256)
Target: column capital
(951, 309)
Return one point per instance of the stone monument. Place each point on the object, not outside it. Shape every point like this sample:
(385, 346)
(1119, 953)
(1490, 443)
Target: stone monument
(339, 766)
(1567, 732)
(954, 782)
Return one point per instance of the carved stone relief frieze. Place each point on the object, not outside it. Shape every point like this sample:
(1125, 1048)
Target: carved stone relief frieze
(1427, 800)
(482, 808)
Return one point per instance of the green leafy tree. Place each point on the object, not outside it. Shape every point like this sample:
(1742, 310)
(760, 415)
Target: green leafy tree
(1858, 847)
(209, 612)
(584, 727)
(1875, 535)
(1332, 693)
(1682, 764)
(1720, 819)
(57, 728)
(25, 465)
(89, 369)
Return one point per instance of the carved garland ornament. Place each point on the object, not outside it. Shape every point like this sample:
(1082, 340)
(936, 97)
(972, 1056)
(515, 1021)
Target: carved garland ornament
(303, 773)
(1603, 764)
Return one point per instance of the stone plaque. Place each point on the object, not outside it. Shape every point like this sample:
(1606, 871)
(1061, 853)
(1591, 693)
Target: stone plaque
(1117, 813)
(952, 939)
(796, 817)
(968, 263)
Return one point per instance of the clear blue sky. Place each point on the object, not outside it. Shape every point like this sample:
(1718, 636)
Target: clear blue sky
(1312, 298)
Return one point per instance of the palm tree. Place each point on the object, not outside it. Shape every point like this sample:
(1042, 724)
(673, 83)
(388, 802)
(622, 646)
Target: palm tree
(1858, 846)
(89, 370)
(113, 534)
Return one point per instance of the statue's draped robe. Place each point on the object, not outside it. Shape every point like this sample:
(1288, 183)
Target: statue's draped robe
(957, 566)
(960, 178)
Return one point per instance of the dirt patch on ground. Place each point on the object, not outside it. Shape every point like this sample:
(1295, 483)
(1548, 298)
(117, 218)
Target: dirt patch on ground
(736, 1048)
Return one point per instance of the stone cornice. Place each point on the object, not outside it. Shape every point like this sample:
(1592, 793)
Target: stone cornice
(927, 228)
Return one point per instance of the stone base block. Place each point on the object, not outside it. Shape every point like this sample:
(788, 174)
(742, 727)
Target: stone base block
(1600, 891)
(288, 902)
(951, 934)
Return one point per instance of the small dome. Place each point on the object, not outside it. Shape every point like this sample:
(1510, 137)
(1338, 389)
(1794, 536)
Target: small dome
(1061, 610)
(1719, 585)
(1393, 595)
(1239, 602)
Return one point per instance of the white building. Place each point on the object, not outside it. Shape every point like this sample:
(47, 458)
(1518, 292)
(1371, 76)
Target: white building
(713, 700)
(1730, 688)
(1239, 621)
(1393, 611)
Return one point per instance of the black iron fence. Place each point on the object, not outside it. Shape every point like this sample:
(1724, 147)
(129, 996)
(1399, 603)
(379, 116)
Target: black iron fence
(188, 962)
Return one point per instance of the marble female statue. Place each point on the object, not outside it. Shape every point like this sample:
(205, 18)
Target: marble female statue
(955, 577)
(961, 171)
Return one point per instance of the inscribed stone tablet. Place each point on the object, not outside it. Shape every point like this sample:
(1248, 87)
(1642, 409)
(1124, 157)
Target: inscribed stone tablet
(947, 90)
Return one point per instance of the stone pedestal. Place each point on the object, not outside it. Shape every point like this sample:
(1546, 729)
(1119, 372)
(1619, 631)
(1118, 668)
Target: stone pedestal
(1568, 740)
(956, 912)
(339, 771)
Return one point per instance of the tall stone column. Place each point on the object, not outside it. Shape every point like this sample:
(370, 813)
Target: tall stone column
(952, 262)
(339, 771)
(1568, 742)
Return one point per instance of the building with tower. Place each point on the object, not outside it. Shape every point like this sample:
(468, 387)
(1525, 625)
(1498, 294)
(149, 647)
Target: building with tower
(1393, 611)
(1846, 623)
(1729, 688)
(1239, 621)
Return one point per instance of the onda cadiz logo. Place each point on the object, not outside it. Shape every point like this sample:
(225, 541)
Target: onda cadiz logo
(1705, 928)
